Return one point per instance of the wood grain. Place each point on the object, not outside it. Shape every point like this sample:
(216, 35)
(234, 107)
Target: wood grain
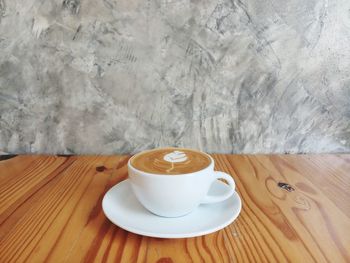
(50, 211)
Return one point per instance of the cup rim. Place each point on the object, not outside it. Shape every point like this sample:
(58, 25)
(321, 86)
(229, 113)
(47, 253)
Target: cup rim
(211, 165)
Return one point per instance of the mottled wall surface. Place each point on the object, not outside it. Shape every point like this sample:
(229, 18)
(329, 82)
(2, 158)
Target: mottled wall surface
(108, 76)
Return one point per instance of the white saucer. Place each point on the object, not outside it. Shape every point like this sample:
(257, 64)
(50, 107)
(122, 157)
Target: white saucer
(123, 209)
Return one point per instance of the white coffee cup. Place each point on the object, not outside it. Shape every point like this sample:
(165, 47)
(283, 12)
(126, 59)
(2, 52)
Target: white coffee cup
(175, 196)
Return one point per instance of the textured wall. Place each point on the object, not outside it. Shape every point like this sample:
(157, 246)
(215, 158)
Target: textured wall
(107, 76)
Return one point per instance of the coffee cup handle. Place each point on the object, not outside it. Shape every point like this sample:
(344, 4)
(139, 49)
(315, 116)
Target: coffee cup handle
(219, 198)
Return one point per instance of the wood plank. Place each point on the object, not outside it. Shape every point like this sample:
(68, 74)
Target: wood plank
(50, 211)
(89, 216)
(305, 223)
(329, 172)
(9, 168)
(261, 226)
(58, 198)
(27, 181)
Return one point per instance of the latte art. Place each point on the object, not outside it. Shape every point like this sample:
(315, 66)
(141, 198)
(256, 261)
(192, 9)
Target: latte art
(175, 157)
(170, 161)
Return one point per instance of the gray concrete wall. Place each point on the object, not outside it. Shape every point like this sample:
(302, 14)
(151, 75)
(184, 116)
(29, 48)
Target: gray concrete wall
(109, 76)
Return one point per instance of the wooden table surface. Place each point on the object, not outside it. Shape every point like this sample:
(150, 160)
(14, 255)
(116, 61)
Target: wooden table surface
(50, 211)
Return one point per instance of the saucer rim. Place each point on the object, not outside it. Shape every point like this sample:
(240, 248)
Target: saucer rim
(139, 231)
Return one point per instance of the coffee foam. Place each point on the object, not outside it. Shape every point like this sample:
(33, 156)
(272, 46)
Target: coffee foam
(170, 161)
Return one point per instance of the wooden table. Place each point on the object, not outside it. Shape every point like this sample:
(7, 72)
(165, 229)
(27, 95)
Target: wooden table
(50, 211)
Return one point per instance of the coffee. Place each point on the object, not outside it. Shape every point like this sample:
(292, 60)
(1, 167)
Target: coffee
(170, 161)
(189, 175)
